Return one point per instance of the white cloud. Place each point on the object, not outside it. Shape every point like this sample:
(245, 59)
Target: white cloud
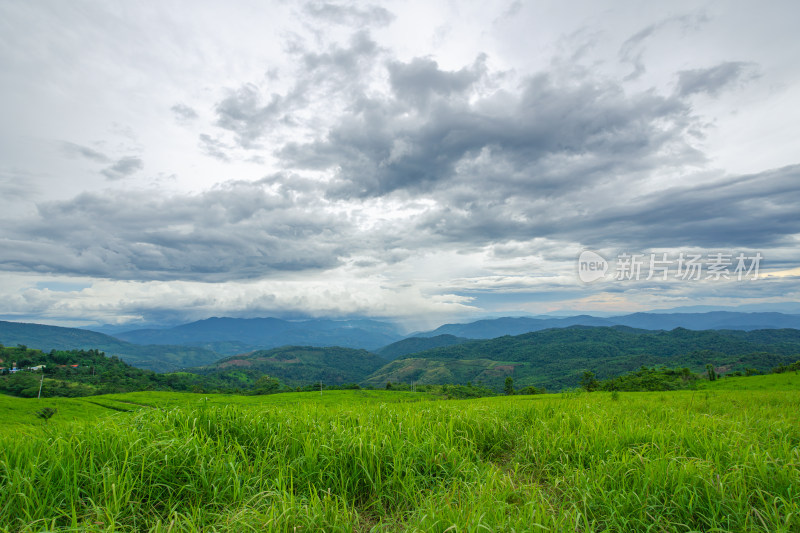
(401, 159)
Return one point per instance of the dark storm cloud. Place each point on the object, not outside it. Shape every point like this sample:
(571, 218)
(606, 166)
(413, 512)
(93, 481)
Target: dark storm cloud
(183, 113)
(240, 231)
(551, 135)
(349, 15)
(562, 159)
(73, 149)
(416, 82)
(123, 167)
(757, 210)
(565, 156)
(753, 211)
(710, 80)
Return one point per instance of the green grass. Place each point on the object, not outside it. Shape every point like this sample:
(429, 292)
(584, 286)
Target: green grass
(327, 398)
(706, 460)
(785, 381)
(17, 414)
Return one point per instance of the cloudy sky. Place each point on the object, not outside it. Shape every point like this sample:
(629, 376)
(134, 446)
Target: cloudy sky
(421, 161)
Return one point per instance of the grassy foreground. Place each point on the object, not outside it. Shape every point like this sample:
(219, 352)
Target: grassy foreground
(683, 461)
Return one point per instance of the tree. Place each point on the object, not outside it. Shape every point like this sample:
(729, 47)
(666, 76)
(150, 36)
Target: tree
(588, 382)
(266, 385)
(509, 387)
(46, 413)
(712, 376)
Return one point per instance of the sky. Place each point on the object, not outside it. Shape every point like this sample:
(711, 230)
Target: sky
(412, 161)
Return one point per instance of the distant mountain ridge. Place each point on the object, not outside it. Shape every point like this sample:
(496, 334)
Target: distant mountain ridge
(491, 328)
(497, 327)
(160, 358)
(236, 335)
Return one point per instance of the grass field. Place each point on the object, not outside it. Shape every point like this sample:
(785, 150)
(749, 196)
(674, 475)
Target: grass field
(17, 415)
(706, 460)
(785, 381)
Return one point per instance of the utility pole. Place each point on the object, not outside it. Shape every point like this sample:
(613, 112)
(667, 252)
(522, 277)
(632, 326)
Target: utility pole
(41, 382)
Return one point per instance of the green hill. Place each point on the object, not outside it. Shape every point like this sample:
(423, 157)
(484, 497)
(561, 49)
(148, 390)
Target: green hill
(418, 344)
(73, 373)
(296, 366)
(556, 358)
(159, 358)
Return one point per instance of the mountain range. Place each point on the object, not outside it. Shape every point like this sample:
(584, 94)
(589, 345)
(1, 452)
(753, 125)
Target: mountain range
(555, 358)
(230, 336)
(487, 329)
(160, 358)
(485, 350)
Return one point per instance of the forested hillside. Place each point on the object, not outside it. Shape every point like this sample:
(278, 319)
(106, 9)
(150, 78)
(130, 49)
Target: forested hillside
(73, 373)
(159, 358)
(418, 344)
(297, 366)
(556, 358)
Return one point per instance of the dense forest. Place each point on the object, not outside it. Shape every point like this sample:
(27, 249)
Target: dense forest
(296, 366)
(556, 358)
(74, 373)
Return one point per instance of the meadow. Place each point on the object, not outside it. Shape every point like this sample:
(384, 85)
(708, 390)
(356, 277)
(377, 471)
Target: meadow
(784, 381)
(703, 460)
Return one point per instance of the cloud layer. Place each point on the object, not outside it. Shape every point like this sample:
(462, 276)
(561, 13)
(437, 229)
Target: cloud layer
(395, 181)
